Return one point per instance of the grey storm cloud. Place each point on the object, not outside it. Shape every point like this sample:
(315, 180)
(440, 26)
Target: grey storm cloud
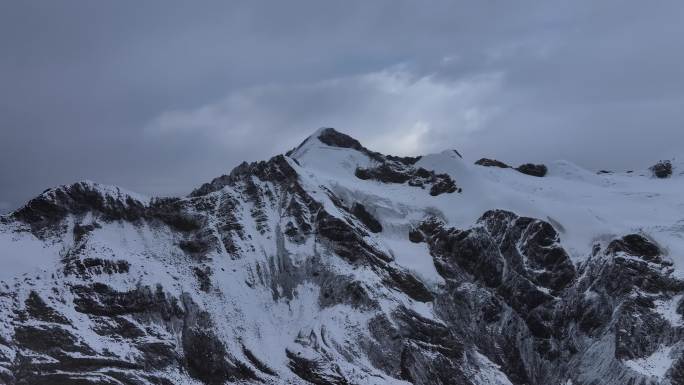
(160, 96)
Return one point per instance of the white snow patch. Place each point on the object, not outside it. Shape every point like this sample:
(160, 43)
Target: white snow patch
(668, 310)
(414, 257)
(487, 372)
(655, 365)
(22, 253)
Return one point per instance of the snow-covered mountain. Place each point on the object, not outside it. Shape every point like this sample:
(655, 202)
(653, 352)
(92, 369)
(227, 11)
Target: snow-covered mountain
(334, 264)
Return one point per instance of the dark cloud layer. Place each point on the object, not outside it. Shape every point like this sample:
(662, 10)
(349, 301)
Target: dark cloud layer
(160, 96)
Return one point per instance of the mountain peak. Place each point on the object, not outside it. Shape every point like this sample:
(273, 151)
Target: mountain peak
(334, 138)
(329, 137)
(53, 204)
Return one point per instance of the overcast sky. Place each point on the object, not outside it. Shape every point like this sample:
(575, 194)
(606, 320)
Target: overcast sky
(161, 96)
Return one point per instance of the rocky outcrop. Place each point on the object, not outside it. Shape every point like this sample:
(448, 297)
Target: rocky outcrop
(491, 163)
(417, 177)
(538, 170)
(334, 138)
(662, 169)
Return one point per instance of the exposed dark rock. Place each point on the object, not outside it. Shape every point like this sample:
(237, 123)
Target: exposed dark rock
(594, 313)
(207, 359)
(203, 276)
(347, 242)
(676, 374)
(515, 256)
(317, 372)
(662, 169)
(418, 366)
(54, 204)
(293, 233)
(159, 355)
(172, 212)
(81, 230)
(118, 327)
(416, 349)
(366, 218)
(417, 177)
(410, 285)
(50, 208)
(100, 299)
(331, 137)
(36, 308)
(257, 363)
(383, 173)
(443, 185)
(28, 377)
(205, 356)
(636, 245)
(49, 339)
(96, 266)
(634, 331)
(429, 332)
(416, 236)
(491, 163)
(624, 275)
(276, 169)
(229, 224)
(476, 254)
(407, 160)
(194, 246)
(334, 138)
(538, 170)
(344, 290)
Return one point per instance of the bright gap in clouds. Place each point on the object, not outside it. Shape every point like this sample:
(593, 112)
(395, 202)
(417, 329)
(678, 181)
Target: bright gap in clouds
(392, 111)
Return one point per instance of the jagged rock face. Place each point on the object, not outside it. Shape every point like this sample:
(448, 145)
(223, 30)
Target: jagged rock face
(303, 270)
(522, 285)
